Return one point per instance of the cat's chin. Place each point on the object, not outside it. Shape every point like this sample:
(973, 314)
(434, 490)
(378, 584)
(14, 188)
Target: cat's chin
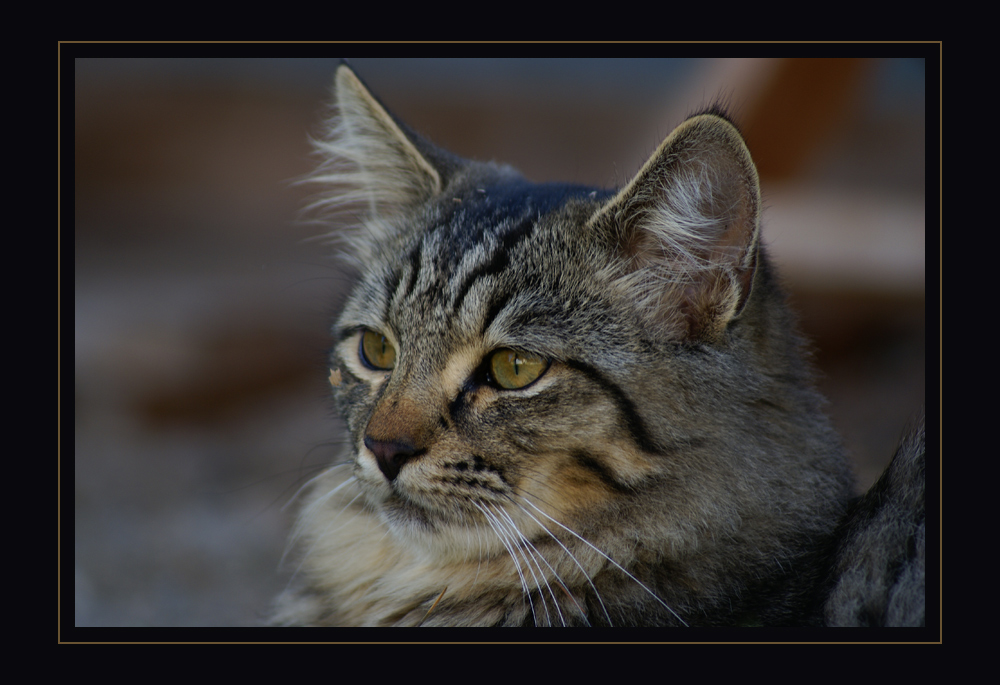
(438, 536)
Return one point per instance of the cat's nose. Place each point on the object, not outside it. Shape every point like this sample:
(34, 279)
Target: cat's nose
(391, 455)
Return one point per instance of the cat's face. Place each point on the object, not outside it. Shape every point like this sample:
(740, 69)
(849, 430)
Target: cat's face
(474, 380)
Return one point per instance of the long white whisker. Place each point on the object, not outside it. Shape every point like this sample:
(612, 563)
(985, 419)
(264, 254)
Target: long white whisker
(326, 495)
(296, 533)
(512, 535)
(516, 538)
(325, 531)
(293, 538)
(310, 482)
(535, 554)
(479, 565)
(309, 551)
(512, 538)
(503, 540)
(575, 561)
(616, 564)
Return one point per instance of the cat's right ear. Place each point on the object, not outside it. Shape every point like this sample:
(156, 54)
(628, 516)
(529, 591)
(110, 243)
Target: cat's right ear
(372, 159)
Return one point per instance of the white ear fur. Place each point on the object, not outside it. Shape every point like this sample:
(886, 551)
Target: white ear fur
(687, 228)
(369, 161)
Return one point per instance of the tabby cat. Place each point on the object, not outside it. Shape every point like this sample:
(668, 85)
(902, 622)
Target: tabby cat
(566, 406)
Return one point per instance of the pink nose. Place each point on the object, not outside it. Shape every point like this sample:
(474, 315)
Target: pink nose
(391, 455)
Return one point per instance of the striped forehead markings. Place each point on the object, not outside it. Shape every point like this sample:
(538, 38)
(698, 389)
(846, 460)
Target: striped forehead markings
(414, 261)
(498, 261)
(400, 292)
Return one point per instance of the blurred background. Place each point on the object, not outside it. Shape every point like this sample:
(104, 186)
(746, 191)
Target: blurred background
(202, 301)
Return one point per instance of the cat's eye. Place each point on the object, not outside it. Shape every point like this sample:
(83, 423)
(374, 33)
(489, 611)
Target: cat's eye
(512, 370)
(376, 351)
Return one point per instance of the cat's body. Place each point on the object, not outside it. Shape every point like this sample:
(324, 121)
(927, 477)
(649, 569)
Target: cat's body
(566, 406)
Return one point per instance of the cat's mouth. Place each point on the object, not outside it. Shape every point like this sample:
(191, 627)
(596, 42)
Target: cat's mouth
(430, 511)
(443, 535)
(402, 511)
(402, 504)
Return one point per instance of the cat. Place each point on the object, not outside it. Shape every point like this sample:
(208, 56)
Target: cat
(577, 407)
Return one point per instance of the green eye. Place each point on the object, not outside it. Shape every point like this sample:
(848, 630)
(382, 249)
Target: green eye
(512, 370)
(376, 351)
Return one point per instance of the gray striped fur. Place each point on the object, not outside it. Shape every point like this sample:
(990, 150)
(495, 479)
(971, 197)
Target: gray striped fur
(671, 467)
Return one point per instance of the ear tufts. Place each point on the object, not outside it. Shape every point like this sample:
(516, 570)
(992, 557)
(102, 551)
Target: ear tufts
(370, 161)
(686, 228)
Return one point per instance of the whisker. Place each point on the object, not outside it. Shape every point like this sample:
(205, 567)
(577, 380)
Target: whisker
(479, 565)
(511, 537)
(616, 564)
(327, 495)
(575, 561)
(326, 530)
(536, 555)
(311, 481)
(514, 535)
(308, 510)
(517, 565)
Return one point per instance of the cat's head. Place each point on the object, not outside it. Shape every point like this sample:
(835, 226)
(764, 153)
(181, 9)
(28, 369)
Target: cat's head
(531, 357)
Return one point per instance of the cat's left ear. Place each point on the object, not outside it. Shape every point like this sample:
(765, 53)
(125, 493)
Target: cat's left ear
(687, 228)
